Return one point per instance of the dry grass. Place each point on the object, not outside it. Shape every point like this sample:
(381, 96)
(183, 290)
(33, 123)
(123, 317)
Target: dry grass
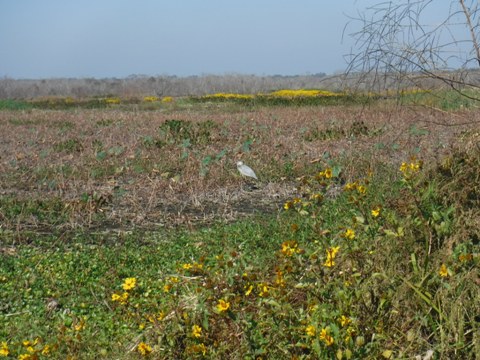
(118, 168)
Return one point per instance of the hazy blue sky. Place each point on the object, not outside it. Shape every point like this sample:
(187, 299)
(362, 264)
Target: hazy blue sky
(116, 38)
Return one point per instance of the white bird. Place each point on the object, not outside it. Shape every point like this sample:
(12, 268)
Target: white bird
(246, 170)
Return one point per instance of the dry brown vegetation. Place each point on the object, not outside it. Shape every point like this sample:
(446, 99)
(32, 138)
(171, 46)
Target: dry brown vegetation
(118, 168)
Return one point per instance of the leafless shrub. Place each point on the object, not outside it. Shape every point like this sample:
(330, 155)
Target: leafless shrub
(397, 47)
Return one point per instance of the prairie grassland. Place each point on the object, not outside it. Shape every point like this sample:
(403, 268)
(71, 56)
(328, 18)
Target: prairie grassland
(128, 233)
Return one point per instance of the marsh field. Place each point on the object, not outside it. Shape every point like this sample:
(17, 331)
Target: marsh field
(126, 231)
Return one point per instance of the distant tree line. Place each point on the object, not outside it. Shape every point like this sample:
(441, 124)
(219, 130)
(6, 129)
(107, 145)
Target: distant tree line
(136, 86)
(141, 85)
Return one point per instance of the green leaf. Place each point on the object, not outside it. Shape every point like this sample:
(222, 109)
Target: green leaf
(336, 170)
(221, 154)
(101, 155)
(247, 145)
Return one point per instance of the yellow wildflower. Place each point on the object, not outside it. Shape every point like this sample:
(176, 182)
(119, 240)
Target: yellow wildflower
(116, 297)
(334, 250)
(349, 234)
(316, 197)
(144, 349)
(414, 166)
(350, 333)
(4, 349)
(465, 257)
(326, 337)
(80, 326)
(443, 272)
(350, 186)
(344, 321)
(331, 253)
(375, 212)
(287, 205)
(161, 315)
(129, 284)
(409, 169)
(122, 299)
(263, 290)
(196, 331)
(328, 173)
(223, 305)
(167, 287)
(25, 357)
(289, 248)
(310, 330)
(280, 280)
(199, 348)
(187, 266)
(361, 189)
(46, 350)
(329, 262)
(249, 289)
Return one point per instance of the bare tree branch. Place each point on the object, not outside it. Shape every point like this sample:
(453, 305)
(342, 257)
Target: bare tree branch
(396, 46)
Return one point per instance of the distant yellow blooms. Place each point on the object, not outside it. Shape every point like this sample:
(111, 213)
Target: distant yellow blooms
(303, 93)
(112, 100)
(282, 94)
(231, 96)
(150, 99)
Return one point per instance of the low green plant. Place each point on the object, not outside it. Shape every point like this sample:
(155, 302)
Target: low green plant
(346, 271)
(69, 146)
